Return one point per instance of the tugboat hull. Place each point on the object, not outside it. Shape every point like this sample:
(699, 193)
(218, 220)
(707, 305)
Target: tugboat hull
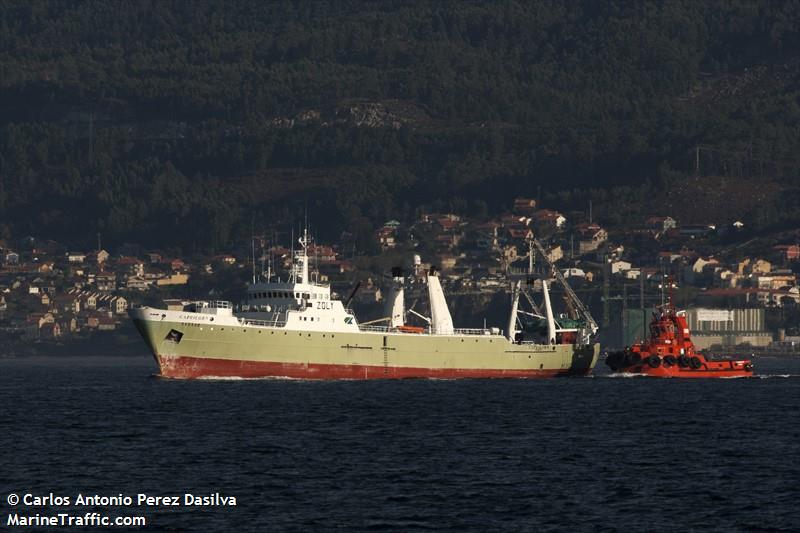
(691, 367)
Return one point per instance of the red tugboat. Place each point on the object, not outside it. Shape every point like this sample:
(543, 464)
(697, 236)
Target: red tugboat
(669, 352)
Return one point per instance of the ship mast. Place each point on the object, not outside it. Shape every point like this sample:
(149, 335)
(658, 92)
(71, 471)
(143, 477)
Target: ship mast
(512, 319)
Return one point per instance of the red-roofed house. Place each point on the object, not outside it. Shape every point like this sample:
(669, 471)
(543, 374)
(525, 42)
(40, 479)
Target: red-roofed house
(789, 252)
(547, 218)
(131, 264)
(591, 237)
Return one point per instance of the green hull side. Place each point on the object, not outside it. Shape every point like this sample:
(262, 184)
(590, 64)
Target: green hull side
(264, 344)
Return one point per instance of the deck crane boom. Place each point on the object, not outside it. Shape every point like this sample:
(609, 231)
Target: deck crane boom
(582, 309)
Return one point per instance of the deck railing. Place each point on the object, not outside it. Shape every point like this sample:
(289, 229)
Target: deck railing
(457, 331)
(266, 323)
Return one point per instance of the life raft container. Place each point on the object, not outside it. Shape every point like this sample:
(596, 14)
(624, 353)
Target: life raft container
(411, 329)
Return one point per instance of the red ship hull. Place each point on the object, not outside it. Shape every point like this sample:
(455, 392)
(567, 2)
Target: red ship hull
(709, 369)
(202, 367)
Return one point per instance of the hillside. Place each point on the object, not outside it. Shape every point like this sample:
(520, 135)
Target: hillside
(212, 118)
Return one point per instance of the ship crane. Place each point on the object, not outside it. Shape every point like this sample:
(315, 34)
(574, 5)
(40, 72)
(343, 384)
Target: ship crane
(582, 309)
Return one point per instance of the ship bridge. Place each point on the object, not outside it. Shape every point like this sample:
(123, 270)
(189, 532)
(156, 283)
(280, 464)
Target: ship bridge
(297, 302)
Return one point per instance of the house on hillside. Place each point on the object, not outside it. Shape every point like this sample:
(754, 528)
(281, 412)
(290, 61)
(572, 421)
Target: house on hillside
(748, 267)
(11, 258)
(591, 236)
(136, 283)
(788, 252)
(106, 282)
(76, 257)
(130, 265)
(524, 206)
(386, 238)
(547, 219)
(620, 266)
(659, 224)
(554, 253)
(98, 257)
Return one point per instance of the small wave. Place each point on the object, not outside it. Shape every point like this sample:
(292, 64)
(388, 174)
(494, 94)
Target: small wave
(261, 378)
(626, 375)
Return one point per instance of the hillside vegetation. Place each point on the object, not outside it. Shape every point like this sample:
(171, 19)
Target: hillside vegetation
(188, 123)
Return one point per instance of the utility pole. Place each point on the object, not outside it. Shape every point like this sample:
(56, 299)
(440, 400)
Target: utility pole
(641, 302)
(91, 136)
(606, 282)
(624, 314)
(697, 160)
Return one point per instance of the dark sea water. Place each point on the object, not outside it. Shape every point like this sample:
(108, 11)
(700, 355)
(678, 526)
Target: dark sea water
(584, 454)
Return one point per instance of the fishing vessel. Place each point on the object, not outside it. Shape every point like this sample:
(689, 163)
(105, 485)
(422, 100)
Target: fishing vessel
(298, 329)
(670, 352)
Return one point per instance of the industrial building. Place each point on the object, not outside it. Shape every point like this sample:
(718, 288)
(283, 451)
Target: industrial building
(727, 327)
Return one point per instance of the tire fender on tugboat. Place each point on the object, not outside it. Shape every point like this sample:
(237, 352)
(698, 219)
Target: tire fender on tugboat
(632, 358)
(695, 363)
(654, 361)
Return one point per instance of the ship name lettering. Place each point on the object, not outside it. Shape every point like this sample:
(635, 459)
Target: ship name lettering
(322, 305)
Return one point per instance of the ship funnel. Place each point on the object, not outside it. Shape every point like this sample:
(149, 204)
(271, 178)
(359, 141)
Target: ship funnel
(395, 307)
(395, 303)
(441, 321)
